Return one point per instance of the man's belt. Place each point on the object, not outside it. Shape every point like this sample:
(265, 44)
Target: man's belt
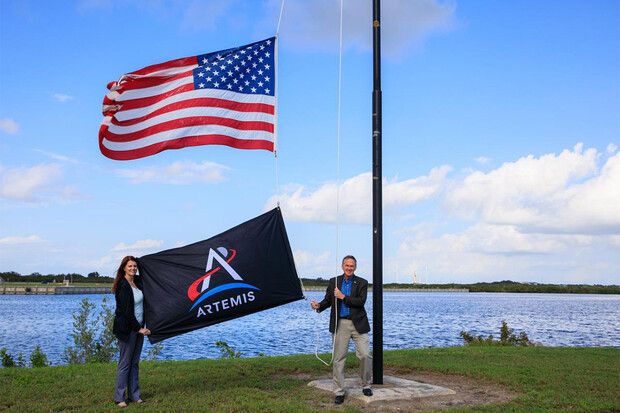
(346, 317)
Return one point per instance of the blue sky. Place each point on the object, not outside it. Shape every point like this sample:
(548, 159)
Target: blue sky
(501, 129)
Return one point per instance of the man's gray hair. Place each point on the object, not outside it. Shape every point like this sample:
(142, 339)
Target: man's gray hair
(347, 257)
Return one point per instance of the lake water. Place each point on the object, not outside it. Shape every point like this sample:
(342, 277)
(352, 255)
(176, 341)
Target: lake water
(411, 320)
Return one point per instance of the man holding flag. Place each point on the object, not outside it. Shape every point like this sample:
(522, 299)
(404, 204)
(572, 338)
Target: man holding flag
(346, 295)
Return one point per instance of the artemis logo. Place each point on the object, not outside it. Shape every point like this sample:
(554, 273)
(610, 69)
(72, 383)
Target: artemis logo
(199, 290)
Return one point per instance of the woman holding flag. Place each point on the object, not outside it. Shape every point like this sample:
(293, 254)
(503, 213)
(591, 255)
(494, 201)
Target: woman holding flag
(129, 329)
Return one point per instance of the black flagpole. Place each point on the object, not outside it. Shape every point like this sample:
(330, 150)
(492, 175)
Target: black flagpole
(377, 203)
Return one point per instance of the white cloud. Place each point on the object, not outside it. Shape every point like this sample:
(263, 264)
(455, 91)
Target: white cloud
(614, 241)
(9, 126)
(28, 184)
(313, 25)
(611, 149)
(404, 24)
(319, 206)
(555, 218)
(105, 265)
(415, 190)
(57, 156)
(311, 265)
(20, 240)
(506, 239)
(139, 245)
(553, 193)
(207, 15)
(177, 173)
(61, 98)
(419, 231)
(482, 160)
(491, 252)
(590, 207)
(37, 185)
(354, 198)
(448, 255)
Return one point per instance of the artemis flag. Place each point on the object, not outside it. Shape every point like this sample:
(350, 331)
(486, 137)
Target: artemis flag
(220, 98)
(246, 269)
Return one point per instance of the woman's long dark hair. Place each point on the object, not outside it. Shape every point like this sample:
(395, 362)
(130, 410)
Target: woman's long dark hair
(120, 273)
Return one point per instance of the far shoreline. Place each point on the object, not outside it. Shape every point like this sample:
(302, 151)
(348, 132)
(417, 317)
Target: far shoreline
(309, 285)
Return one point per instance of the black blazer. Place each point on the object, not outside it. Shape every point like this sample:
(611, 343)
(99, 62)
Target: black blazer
(355, 302)
(124, 318)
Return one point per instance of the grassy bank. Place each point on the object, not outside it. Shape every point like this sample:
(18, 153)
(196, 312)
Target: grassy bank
(547, 379)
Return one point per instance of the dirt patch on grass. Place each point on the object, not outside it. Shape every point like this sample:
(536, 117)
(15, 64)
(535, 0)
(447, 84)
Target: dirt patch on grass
(469, 392)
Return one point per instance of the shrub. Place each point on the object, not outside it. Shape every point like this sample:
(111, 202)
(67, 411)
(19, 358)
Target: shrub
(471, 340)
(226, 351)
(507, 338)
(83, 335)
(20, 360)
(89, 348)
(38, 358)
(7, 359)
(154, 351)
(106, 347)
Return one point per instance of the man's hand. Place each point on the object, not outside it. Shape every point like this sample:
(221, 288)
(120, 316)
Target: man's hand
(338, 294)
(314, 305)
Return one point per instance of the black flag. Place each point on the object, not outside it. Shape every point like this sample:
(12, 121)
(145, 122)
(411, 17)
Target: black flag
(246, 269)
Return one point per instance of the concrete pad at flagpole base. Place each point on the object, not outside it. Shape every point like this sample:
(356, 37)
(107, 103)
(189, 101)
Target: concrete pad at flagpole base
(392, 388)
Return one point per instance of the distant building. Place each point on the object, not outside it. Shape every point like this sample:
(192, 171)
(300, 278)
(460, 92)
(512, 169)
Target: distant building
(1, 280)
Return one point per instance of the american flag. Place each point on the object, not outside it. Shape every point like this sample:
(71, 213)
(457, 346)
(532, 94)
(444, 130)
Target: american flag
(220, 98)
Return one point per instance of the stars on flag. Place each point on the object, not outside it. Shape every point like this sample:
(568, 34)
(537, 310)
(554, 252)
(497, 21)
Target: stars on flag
(245, 69)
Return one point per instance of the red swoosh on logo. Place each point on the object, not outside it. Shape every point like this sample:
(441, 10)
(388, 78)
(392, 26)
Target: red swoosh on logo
(192, 291)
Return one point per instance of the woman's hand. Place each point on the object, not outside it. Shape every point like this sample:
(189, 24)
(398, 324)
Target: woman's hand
(144, 331)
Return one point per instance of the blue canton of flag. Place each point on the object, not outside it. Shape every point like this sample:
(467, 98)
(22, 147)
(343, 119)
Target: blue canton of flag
(247, 69)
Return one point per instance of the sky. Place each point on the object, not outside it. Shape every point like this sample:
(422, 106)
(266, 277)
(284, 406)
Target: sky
(501, 128)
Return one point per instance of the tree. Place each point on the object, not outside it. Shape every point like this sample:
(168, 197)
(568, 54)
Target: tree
(83, 335)
(92, 334)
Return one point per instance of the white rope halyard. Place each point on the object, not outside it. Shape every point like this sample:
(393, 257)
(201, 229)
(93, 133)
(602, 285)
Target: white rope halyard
(317, 316)
(335, 303)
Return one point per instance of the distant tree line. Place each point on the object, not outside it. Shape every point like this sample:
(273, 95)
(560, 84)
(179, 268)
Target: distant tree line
(482, 287)
(35, 277)
(498, 287)
(518, 287)
(312, 282)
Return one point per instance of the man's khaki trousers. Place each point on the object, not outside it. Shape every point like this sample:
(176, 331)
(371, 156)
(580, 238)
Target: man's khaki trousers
(346, 331)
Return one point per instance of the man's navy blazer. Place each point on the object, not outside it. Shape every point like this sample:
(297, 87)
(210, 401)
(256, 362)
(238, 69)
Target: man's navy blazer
(355, 302)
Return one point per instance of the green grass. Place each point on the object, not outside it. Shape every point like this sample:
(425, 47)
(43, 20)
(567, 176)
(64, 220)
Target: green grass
(548, 379)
